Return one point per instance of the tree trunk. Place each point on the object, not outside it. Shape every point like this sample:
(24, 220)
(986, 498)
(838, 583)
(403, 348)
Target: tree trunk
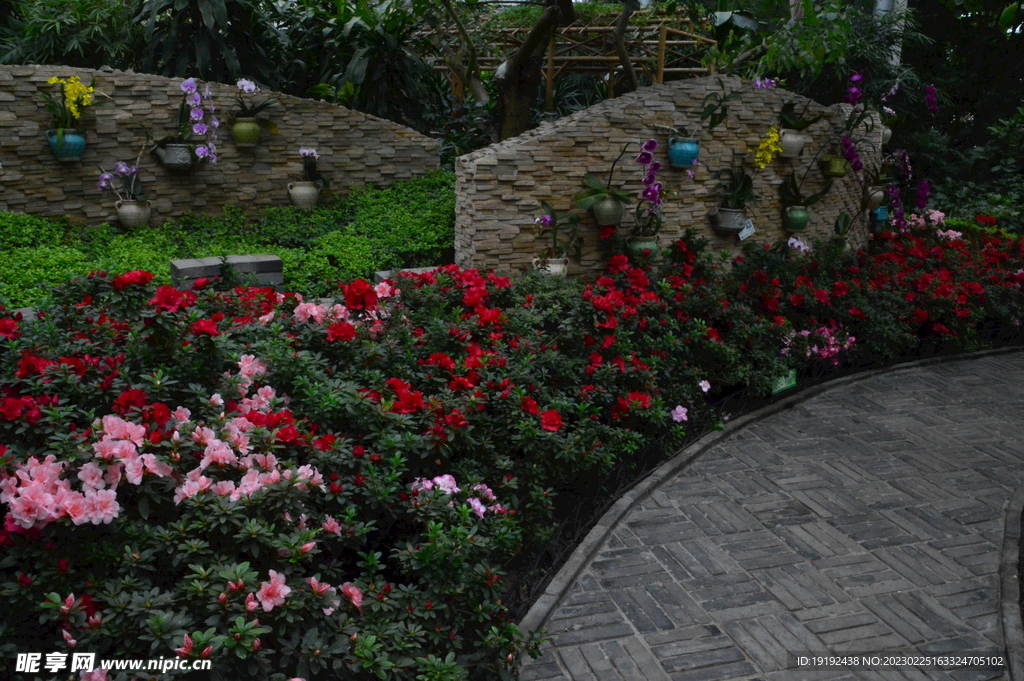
(621, 24)
(518, 92)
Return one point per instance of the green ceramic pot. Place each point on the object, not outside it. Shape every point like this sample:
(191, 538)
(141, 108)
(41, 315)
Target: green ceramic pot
(245, 132)
(835, 166)
(608, 212)
(638, 244)
(795, 219)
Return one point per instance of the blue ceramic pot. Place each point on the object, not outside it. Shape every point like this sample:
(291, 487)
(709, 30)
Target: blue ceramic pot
(682, 153)
(67, 145)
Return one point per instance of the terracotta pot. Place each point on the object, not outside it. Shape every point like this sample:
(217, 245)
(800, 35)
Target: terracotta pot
(608, 212)
(245, 132)
(792, 143)
(67, 144)
(555, 267)
(133, 213)
(304, 194)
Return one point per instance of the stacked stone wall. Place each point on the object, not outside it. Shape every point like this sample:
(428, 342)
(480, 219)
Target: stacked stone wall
(499, 188)
(355, 148)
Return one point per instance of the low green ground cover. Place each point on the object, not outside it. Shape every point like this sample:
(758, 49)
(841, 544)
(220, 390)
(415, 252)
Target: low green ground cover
(406, 225)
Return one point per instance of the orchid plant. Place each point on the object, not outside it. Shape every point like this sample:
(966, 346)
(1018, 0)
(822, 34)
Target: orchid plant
(648, 218)
(192, 120)
(253, 109)
(309, 170)
(549, 225)
(129, 176)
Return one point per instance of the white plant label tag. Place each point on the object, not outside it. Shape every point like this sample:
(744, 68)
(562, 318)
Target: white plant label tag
(748, 230)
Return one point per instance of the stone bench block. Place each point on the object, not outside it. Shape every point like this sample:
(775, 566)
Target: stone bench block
(378, 277)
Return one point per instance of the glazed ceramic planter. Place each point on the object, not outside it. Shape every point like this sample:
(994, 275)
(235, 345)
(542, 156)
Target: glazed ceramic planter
(886, 134)
(67, 144)
(245, 132)
(304, 194)
(555, 267)
(682, 152)
(636, 245)
(792, 143)
(608, 212)
(875, 197)
(795, 218)
(729, 220)
(133, 213)
(175, 156)
(835, 166)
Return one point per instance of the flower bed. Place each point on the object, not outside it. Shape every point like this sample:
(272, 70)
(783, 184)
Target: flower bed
(294, 490)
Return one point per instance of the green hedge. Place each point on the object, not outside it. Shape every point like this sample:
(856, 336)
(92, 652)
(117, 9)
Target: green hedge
(409, 224)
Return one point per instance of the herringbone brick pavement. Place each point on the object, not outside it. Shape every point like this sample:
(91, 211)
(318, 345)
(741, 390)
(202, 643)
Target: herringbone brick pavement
(867, 518)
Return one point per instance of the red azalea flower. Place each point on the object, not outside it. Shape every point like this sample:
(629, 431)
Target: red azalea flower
(856, 312)
(920, 316)
(135, 277)
(551, 420)
(325, 442)
(9, 329)
(200, 283)
(170, 299)
(608, 231)
(618, 263)
(840, 289)
(796, 300)
(529, 405)
(287, 434)
(130, 398)
(205, 326)
(342, 331)
(821, 296)
(359, 295)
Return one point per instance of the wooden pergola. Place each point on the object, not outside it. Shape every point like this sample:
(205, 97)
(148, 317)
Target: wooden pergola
(662, 47)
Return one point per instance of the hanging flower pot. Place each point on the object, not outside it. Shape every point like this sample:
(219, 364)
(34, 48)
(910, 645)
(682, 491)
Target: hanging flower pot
(792, 143)
(133, 213)
(555, 267)
(886, 134)
(67, 144)
(175, 156)
(245, 132)
(795, 218)
(729, 220)
(835, 166)
(304, 194)
(880, 214)
(875, 197)
(636, 245)
(608, 212)
(682, 152)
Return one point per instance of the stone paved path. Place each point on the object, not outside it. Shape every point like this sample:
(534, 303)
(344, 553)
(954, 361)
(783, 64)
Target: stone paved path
(866, 518)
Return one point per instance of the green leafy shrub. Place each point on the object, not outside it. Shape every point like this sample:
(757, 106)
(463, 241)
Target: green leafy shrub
(36, 270)
(21, 230)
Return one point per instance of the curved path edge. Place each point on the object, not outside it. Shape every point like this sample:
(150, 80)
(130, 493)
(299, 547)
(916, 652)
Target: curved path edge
(559, 587)
(1009, 586)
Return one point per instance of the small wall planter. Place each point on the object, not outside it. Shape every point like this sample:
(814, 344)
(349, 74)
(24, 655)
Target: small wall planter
(608, 212)
(133, 213)
(835, 166)
(886, 134)
(555, 267)
(795, 218)
(875, 197)
(304, 194)
(636, 245)
(792, 143)
(245, 132)
(67, 145)
(728, 220)
(175, 156)
(682, 152)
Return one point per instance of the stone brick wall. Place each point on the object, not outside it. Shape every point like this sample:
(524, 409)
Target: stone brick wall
(499, 188)
(354, 148)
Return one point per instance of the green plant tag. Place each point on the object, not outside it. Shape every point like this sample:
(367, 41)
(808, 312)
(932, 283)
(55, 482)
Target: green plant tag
(784, 382)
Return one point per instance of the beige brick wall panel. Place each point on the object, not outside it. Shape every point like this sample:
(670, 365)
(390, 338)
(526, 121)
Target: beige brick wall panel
(354, 148)
(556, 156)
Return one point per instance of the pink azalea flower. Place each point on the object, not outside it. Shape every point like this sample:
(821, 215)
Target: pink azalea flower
(447, 484)
(104, 506)
(353, 594)
(331, 525)
(679, 413)
(477, 507)
(273, 593)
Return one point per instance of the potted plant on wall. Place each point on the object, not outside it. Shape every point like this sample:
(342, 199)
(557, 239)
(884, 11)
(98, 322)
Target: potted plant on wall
(795, 203)
(734, 193)
(306, 192)
(133, 210)
(605, 203)
(247, 125)
(177, 151)
(554, 259)
(793, 124)
(67, 141)
(647, 218)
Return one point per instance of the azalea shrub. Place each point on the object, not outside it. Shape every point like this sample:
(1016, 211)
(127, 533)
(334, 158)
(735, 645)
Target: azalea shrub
(295, 490)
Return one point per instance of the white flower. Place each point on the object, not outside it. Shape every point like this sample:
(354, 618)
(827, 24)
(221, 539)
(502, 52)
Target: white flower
(705, 386)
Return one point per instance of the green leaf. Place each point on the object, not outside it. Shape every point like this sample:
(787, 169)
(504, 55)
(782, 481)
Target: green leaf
(207, 12)
(1008, 16)
(144, 507)
(592, 182)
